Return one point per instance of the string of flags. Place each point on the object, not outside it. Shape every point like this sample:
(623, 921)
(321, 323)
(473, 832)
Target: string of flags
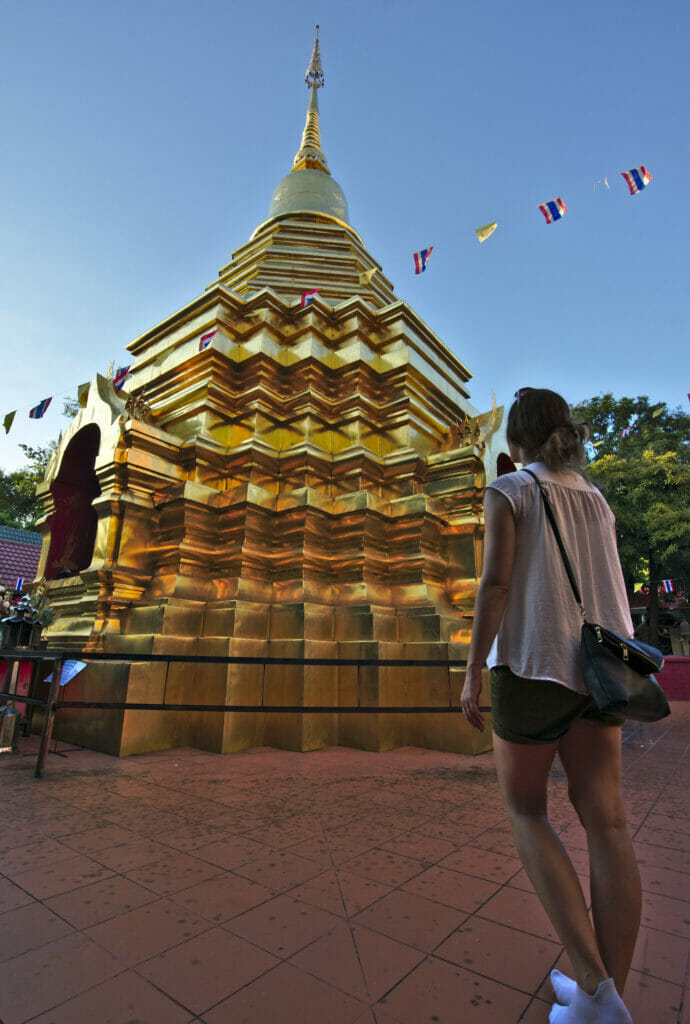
(118, 378)
(636, 178)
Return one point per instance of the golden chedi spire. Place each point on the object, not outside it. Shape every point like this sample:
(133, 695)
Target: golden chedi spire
(309, 187)
(310, 156)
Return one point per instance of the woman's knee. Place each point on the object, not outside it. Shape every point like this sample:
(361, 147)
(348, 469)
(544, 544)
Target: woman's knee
(599, 811)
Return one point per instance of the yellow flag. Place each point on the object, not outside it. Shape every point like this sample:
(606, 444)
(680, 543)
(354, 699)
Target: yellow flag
(83, 394)
(637, 586)
(7, 422)
(366, 275)
(595, 444)
(488, 229)
(658, 412)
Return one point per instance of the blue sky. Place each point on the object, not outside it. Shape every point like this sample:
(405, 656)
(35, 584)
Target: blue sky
(142, 142)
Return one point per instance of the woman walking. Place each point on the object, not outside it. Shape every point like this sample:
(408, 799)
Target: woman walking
(527, 630)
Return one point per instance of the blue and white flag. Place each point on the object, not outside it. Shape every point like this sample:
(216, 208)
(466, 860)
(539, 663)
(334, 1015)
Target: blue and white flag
(121, 375)
(39, 410)
(206, 339)
(636, 178)
(553, 210)
(421, 259)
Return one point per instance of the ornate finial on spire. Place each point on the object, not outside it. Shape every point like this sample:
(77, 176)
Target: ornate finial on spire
(314, 76)
(310, 156)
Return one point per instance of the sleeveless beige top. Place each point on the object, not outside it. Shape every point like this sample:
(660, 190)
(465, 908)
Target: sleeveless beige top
(539, 634)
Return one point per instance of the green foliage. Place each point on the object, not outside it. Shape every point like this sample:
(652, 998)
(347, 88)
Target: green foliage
(645, 477)
(18, 504)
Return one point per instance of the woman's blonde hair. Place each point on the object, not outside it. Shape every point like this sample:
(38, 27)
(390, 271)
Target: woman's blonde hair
(540, 423)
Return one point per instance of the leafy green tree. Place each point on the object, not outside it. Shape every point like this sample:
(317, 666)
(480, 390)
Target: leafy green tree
(18, 504)
(640, 459)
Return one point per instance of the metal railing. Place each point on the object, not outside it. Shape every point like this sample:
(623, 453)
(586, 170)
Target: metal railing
(51, 705)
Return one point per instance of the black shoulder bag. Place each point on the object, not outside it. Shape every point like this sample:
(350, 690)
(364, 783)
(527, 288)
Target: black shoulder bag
(617, 670)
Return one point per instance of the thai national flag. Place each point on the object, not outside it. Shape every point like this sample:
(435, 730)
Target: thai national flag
(553, 210)
(121, 375)
(421, 259)
(39, 410)
(626, 431)
(20, 583)
(205, 340)
(308, 297)
(667, 586)
(637, 178)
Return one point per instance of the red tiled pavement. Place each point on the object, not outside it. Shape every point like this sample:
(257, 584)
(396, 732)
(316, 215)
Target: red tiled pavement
(269, 887)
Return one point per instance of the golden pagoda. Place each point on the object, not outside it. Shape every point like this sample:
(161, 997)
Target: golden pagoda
(293, 469)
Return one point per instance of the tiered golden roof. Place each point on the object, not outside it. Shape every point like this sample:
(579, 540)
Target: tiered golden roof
(305, 482)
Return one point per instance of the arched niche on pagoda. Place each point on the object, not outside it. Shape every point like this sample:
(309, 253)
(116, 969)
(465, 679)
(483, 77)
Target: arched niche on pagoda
(74, 520)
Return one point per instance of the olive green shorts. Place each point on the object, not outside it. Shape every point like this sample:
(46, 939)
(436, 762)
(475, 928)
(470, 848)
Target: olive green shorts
(539, 710)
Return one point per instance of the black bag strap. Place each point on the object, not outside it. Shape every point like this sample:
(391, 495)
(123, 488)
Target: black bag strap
(561, 547)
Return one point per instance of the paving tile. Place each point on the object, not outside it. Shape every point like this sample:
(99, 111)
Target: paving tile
(146, 931)
(49, 976)
(98, 838)
(190, 836)
(283, 925)
(329, 850)
(673, 860)
(666, 914)
(458, 835)
(11, 896)
(175, 872)
(333, 958)
(384, 961)
(223, 897)
(650, 999)
(471, 860)
(28, 928)
(674, 839)
(230, 852)
(497, 840)
(665, 881)
(278, 835)
(501, 953)
(206, 969)
(420, 846)
(520, 910)
(61, 876)
(282, 997)
(122, 1000)
(412, 919)
(387, 868)
(100, 901)
(536, 1013)
(452, 888)
(661, 955)
(136, 852)
(443, 993)
(42, 853)
(279, 870)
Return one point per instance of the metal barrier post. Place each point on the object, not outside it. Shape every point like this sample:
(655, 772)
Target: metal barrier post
(49, 716)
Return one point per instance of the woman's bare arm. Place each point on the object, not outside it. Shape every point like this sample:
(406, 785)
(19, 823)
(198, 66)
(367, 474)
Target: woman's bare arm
(497, 573)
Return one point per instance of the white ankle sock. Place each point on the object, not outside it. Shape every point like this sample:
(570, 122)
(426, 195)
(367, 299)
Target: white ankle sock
(564, 987)
(604, 1007)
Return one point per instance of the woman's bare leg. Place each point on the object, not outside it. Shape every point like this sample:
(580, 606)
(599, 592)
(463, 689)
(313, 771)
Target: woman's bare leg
(591, 756)
(523, 771)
